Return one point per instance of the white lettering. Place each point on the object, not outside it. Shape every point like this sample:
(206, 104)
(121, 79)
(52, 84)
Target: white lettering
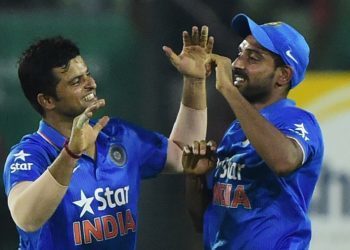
(100, 199)
(109, 194)
(21, 166)
(229, 170)
(112, 198)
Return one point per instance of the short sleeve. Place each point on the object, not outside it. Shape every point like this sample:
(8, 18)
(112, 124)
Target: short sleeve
(24, 163)
(153, 153)
(148, 149)
(303, 128)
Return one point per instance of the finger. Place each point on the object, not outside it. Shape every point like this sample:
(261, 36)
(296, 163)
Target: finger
(188, 159)
(195, 35)
(101, 124)
(186, 40)
(207, 69)
(210, 45)
(212, 145)
(204, 36)
(202, 147)
(186, 149)
(95, 106)
(82, 119)
(195, 147)
(174, 59)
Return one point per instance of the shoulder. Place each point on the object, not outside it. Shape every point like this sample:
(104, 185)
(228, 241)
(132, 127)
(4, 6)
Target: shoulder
(293, 114)
(120, 127)
(30, 148)
(26, 161)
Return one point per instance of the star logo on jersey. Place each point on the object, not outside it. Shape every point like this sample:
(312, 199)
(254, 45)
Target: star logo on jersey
(85, 203)
(21, 155)
(300, 129)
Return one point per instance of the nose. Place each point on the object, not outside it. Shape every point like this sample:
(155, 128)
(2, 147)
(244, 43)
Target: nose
(90, 82)
(238, 63)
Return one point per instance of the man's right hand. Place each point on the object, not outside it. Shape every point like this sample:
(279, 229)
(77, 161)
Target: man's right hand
(193, 61)
(83, 135)
(199, 158)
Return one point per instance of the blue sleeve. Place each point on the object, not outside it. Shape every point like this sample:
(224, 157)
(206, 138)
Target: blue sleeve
(26, 162)
(148, 148)
(302, 127)
(153, 153)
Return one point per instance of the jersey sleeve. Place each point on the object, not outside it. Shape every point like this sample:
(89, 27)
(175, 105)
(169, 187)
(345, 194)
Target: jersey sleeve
(153, 153)
(24, 163)
(148, 149)
(303, 128)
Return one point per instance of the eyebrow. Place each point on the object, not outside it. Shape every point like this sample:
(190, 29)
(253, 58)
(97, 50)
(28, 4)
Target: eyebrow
(259, 50)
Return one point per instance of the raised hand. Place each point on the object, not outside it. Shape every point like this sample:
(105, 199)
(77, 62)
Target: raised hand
(193, 61)
(83, 135)
(199, 158)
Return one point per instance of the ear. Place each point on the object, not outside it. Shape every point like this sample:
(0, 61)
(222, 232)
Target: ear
(284, 76)
(45, 101)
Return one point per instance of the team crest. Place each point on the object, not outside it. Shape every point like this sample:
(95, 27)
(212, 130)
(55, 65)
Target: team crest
(118, 155)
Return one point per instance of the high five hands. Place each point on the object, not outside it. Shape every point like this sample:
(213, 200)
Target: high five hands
(199, 158)
(194, 59)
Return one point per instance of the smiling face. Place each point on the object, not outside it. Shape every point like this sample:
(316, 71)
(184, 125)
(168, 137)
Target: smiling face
(76, 89)
(254, 71)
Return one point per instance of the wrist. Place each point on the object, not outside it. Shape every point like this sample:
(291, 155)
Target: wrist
(194, 80)
(70, 152)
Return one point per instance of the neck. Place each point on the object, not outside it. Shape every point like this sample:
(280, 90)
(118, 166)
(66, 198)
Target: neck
(259, 105)
(61, 124)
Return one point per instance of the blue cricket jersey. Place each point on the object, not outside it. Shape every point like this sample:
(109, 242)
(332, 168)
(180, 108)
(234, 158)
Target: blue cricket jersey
(253, 208)
(99, 210)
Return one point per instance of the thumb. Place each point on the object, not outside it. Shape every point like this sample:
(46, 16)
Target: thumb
(175, 60)
(101, 124)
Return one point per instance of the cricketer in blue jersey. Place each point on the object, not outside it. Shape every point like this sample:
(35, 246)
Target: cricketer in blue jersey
(262, 175)
(74, 183)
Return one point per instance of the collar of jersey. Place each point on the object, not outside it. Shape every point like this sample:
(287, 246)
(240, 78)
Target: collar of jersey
(278, 105)
(51, 135)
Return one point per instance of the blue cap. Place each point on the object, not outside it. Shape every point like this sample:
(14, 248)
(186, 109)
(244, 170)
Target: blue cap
(279, 38)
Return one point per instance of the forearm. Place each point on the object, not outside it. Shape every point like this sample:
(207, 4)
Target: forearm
(280, 153)
(190, 126)
(33, 203)
(197, 199)
(191, 121)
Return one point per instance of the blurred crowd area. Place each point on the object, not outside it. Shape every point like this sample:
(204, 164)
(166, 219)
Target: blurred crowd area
(121, 41)
(324, 22)
(121, 37)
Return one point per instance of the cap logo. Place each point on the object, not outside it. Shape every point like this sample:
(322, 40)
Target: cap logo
(273, 23)
(289, 54)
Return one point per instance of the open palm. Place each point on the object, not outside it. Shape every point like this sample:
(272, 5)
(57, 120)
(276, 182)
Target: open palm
(195, 54)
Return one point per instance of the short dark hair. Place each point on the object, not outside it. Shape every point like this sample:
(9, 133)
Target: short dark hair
(36, 64)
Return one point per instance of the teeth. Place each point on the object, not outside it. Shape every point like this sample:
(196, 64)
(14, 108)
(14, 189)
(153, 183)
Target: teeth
(89, 97)
(238, 80)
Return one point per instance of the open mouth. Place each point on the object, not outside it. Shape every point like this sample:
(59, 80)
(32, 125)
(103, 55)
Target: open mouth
(90, 97)
(238, 80)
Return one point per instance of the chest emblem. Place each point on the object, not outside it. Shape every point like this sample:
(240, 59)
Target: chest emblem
(118, 155)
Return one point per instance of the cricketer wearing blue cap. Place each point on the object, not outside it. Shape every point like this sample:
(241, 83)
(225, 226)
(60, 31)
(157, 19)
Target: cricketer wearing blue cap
(263, 173)
(74, 183)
